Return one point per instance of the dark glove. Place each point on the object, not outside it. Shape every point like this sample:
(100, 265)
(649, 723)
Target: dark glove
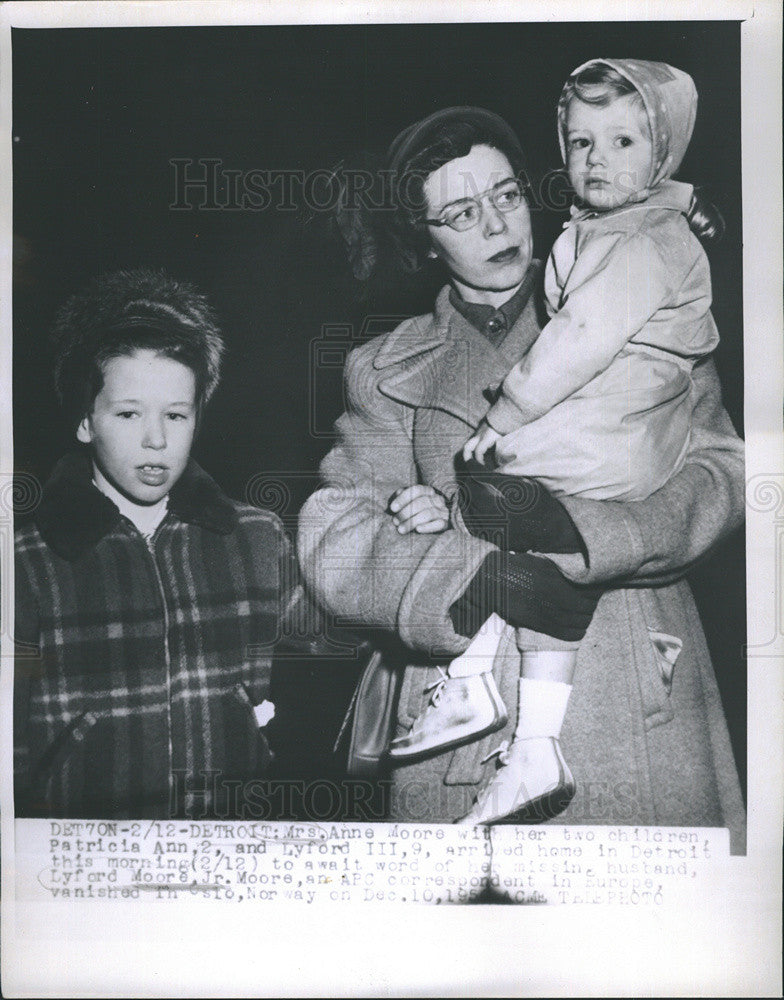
(527, 592)
(514, 512)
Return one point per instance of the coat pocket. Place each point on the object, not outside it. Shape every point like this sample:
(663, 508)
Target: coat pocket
(667, 649)
(49, 789)
(655, 656)
(257, 715)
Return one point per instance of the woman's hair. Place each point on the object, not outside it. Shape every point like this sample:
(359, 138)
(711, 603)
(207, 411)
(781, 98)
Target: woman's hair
(599, 85)
(390, 233)
(124, 312)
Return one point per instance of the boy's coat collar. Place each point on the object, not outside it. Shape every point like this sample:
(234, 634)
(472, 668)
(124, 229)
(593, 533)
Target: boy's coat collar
(74, 515)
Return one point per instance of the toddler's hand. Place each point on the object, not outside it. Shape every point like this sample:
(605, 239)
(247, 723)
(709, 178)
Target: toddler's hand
(419, 508)
(480, 443)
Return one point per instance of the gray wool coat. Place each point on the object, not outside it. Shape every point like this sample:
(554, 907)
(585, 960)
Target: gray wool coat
(646, 739)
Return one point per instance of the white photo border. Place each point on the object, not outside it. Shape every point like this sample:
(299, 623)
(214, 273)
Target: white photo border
(728, 941)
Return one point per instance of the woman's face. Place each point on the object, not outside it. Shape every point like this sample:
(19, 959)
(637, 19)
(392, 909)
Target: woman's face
(489, 261)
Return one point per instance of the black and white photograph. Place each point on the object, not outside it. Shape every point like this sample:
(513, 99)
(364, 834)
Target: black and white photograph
(391, 492)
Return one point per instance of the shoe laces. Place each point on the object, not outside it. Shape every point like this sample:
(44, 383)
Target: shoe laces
(501, 752)
(437, 687)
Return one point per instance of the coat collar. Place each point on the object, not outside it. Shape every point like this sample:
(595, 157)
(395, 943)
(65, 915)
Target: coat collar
(674, 196)
(74, 515)
(417, 335)
(440, 361)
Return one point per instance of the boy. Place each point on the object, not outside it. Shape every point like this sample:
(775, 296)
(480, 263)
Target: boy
(153, 599)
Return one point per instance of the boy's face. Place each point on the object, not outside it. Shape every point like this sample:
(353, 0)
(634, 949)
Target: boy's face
(142, 424)
(609, 152)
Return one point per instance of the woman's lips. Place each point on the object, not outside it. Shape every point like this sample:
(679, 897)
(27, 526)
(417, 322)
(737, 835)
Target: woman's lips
(504, 256)
(152, 475)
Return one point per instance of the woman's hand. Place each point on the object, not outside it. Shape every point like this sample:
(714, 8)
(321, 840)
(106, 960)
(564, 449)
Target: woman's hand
(480, 443)
(419, 508)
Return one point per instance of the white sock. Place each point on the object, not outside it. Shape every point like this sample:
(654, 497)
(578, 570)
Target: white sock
(542, 708)
(479, 657)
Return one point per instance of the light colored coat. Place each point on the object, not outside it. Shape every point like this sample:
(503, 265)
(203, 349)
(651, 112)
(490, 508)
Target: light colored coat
(648, 744)
(600, 407)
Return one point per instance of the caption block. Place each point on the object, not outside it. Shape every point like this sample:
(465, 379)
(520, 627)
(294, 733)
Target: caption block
(253, 863)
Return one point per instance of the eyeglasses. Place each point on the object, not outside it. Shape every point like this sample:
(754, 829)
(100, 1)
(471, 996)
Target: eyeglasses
(466, 213)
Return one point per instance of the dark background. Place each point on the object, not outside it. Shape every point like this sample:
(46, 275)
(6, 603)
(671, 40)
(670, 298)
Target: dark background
(100, 113)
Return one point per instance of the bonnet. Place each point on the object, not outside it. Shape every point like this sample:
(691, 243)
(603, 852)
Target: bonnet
(670, 100)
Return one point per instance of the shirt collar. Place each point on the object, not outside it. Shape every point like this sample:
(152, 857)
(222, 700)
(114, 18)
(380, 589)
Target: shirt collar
(145, 518)
(496, 323)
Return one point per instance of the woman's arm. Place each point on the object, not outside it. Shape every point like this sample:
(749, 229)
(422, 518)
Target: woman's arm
(355, 562)
(657, 540)
(365, 571)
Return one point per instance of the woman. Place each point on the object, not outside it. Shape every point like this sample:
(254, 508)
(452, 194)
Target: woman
(646, 734)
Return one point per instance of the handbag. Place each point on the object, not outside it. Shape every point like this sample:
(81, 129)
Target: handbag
(369, 723)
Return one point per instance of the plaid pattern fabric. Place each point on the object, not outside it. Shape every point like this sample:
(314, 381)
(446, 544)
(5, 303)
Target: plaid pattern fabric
(151, 656)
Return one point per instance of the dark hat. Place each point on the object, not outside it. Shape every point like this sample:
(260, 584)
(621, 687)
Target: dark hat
(412, 140)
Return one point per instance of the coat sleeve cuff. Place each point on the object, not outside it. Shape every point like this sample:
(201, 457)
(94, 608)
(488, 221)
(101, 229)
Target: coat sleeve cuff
(440, 579)
(614, 545)
(505, 415)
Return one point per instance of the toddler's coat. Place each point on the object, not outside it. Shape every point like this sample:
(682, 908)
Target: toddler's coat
(600, 407)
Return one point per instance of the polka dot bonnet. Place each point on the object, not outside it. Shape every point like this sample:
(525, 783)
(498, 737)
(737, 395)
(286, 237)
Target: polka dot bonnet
(670, 100)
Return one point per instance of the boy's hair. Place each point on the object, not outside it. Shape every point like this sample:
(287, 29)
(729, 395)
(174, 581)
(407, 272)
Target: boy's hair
(126, 311)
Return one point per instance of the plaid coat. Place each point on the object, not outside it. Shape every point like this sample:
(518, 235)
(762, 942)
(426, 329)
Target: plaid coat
(139, 665)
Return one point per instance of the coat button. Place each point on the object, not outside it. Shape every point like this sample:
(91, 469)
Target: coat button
(495, 325)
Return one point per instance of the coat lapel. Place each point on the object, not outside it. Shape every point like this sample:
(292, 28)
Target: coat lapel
(74, 515)
(441, 363)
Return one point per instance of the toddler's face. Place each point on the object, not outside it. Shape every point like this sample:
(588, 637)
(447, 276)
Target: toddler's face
(142, 424)
(609, 152)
